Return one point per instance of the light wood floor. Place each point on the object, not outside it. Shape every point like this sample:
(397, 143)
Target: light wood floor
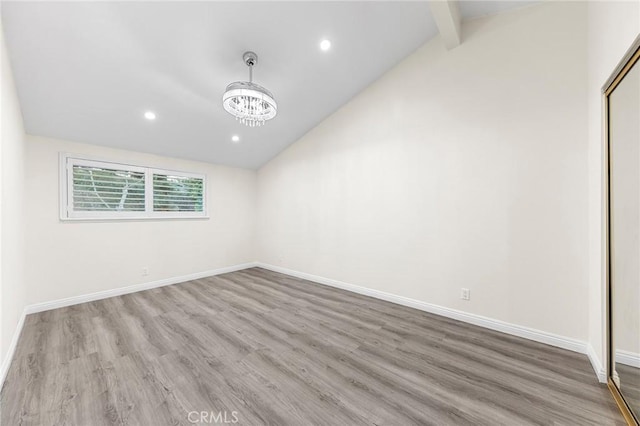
(283, 351)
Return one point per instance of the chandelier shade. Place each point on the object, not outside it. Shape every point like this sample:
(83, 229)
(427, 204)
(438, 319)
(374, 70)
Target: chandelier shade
(250, 103)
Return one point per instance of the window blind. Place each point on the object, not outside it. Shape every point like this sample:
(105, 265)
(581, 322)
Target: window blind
(93, 189)
(103, 189)
(177, 193)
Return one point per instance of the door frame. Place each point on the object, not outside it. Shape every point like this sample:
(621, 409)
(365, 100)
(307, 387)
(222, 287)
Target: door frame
(631, 57)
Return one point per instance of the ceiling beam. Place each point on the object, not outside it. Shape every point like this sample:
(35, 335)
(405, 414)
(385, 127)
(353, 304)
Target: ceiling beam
(447, 17)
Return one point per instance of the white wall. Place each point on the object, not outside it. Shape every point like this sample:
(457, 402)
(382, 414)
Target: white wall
(68, 259)
(467, 177)
(12, 287)
(461, 168)
(613, 25)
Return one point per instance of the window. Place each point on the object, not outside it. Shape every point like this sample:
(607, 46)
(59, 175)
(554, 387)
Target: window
(103, 190)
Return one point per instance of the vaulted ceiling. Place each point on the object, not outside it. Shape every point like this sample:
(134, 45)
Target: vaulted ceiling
(88, 71)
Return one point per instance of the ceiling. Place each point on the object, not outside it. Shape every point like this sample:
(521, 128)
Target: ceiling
(88, 71)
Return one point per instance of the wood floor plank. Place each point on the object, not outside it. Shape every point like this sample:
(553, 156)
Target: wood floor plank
(276, 350)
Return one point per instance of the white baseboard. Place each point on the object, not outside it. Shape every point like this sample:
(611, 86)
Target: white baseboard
(61, 303)
(628, 358)
(599, 369)
(493, 324)
(6, 363)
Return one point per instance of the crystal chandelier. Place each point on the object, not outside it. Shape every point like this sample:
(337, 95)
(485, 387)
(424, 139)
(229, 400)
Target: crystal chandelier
(249, 103)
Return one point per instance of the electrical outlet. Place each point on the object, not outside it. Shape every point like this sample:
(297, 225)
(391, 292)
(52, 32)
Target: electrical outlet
(465, 294)
(145, 271)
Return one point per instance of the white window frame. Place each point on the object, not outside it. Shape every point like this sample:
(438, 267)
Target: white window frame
(67, 213)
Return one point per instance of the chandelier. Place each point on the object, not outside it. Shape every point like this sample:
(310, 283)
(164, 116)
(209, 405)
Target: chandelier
(250, 103)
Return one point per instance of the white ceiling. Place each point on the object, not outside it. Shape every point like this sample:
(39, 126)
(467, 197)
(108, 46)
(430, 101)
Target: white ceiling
(87, 71)
(473, 8)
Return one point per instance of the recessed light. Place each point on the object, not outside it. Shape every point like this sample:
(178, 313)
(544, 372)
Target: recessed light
(325, 45)
(150, 115)
(235, 138)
